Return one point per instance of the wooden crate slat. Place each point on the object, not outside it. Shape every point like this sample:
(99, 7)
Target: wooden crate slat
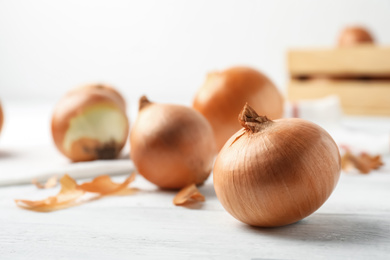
(357, 97)
(366, 60)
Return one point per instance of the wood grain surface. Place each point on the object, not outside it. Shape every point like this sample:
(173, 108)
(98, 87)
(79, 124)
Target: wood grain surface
(362, 60)
(353, 224)
(356, 97)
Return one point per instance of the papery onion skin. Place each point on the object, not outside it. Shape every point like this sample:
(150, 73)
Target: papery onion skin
(355, 35)
(224, 93)
(103, 89)
(78, 102)
(172, 146)
(278, 173)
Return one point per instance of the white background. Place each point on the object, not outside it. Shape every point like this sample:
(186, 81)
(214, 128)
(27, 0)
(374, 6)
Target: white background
(162, 48)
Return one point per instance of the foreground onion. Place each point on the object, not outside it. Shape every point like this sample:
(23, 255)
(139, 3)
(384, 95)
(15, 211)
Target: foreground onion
(172, 146)
(354, 35)
(223, 94)
(273, 173)
(90, 123)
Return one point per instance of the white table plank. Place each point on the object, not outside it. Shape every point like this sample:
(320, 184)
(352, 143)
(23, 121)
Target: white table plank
(147, 225)
(353, 224)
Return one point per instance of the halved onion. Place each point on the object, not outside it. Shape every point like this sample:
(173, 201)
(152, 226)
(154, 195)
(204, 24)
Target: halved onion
(90, 123)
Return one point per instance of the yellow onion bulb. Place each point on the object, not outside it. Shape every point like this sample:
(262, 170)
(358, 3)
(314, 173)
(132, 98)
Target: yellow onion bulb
(275, 172)
(172, 146)
(355, 35)
(90, 123)
(224, 93)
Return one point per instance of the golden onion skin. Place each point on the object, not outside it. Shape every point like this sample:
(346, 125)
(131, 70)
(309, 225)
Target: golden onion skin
(102, 89)
(172, 146)
(224, 93)
(278, 175)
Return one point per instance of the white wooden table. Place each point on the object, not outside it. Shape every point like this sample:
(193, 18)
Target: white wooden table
(353, 224)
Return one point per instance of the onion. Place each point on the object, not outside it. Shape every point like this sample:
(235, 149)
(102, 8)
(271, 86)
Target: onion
(90, 123)
(273, 173)
(172, 146)
(354, 35)
(223, 94)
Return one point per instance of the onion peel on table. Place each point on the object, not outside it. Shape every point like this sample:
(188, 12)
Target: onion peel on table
(71, 194)
(187, 195)
(50, 183)
(67, 197)
(364, 162)
(104, 185)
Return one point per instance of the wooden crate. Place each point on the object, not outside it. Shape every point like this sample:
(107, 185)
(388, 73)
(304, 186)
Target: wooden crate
(360, 76)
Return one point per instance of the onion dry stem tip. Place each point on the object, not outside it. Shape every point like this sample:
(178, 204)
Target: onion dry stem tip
(250, 120)
(143, 102)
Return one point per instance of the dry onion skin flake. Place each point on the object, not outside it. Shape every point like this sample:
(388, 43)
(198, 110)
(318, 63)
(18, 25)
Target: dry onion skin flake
(71, 194)
(50, 183)
(187, 195)
(172, 146)
(224, 93)
(67, 197)
(364, 162)
(105, 186)
(90, 123)
(274, 173)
